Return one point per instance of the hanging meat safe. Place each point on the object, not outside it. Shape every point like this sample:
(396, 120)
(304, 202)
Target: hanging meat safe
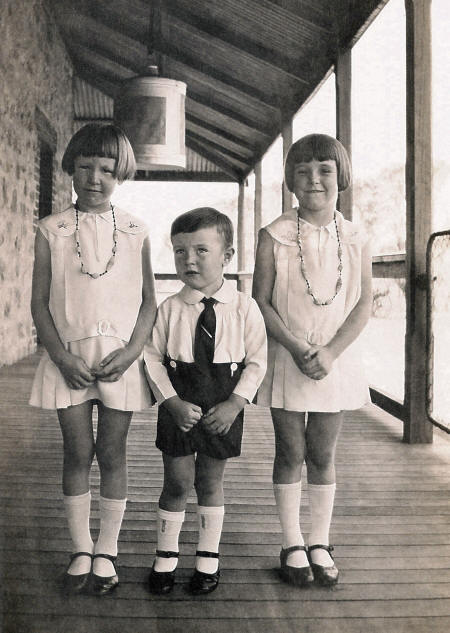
(150, 110)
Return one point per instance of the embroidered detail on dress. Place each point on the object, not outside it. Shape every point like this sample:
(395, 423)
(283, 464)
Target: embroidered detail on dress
(103, 327)
(63, 225)
(132, 225)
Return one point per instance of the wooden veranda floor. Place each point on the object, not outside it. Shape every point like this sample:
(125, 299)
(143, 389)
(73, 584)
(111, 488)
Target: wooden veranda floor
(391, 531)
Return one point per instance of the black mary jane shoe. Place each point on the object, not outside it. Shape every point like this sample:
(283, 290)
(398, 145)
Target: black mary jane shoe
(74, 584)
(325, 576)
(102, 585)
(202, 583)
(297, 576)
(162, 582)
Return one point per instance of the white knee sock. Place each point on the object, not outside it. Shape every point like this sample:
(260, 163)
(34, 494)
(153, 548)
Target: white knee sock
(210, 522)
(321, 501)
(168, 527)
(78, 509)
(111, 515)
(287, 497)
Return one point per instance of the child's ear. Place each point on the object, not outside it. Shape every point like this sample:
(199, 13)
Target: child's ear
(228, 255)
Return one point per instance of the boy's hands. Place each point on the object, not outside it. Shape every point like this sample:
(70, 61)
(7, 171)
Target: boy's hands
(111, 368)
(185, 414)
(75, 371)
(218, 419)
(317, 362)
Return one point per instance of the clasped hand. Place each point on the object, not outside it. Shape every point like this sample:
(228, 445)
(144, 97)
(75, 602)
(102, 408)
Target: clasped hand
(78, 375)
(216, 421)
(316, 362)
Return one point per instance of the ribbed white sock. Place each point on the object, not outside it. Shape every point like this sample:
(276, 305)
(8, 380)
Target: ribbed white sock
(78, 509)
(287, 498)
(321, 502)
(168, 527)
(111, 515)
(210, 523)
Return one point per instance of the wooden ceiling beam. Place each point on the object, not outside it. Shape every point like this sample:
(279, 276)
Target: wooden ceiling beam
(213, 32)
(310, 12)
(224, 165)
(93, 34)
(236, 117)
(184, 175)
(222, 81)
(196, 135)
(217, 131)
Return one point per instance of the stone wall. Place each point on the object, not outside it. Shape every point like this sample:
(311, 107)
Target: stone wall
(36, 84)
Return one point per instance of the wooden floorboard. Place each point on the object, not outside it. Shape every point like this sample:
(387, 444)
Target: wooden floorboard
(391, 531)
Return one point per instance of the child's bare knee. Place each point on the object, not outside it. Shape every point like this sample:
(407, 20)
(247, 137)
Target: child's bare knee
(321, 460)
(208, 487)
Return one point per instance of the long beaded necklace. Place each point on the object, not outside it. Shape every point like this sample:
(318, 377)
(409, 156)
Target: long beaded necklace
(303, 267)
(110, 263)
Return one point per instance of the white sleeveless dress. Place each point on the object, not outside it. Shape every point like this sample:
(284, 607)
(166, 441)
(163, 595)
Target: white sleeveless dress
(93, 316)
(285, 386)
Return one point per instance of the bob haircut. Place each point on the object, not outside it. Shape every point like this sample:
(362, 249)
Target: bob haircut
(318, 147)
(106, 141)
(202, 218)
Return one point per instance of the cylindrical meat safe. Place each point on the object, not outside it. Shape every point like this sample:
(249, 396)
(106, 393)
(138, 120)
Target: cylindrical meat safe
(150, 110)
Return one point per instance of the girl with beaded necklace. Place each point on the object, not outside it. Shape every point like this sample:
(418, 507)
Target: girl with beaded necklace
(312, 282)
(93, 304)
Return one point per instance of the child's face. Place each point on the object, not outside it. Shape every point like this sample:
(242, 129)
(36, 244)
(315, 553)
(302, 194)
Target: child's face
(315, 185)
(200, 258)
(94, 182)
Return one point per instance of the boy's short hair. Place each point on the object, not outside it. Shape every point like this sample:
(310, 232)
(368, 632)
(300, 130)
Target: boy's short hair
(202, 218)
(318, 147)
(107, 141)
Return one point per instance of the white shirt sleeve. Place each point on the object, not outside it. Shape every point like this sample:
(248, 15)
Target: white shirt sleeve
(255, 353)
(154, 353)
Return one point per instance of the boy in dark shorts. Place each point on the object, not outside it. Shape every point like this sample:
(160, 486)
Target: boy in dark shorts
(206, 360)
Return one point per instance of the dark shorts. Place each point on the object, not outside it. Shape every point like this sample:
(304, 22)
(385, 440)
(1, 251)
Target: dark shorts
(204, 390)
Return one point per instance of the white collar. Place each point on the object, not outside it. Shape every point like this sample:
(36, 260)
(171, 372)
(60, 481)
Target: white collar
(225, 294)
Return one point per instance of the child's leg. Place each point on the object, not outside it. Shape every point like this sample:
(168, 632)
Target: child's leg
(78, 441)
(111, 447)
(178, 482)
(209, 488)
(321, 438)
(289, 427)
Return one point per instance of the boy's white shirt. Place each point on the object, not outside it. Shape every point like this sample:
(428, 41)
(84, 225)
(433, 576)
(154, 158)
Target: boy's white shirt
(240, 336)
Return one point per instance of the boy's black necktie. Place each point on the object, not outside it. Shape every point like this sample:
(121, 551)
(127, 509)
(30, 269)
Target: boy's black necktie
(205, 334)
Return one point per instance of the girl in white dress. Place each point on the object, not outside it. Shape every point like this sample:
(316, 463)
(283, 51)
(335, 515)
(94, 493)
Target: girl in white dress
(312, 283)
(93, 305)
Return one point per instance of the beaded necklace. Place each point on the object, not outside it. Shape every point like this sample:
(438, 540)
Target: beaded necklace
(110, 263)
(303, 267)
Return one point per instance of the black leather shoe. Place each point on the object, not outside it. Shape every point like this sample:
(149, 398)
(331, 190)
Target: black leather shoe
(102, 585)
(202, 583)
(162, 582)
(75, 584)
(325, 576)
(298, 576)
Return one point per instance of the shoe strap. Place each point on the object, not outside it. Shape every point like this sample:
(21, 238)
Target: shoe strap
(163, 554)
(295, 548)
(77, 554)
(205, 554)
(107, 556)
(328, 548)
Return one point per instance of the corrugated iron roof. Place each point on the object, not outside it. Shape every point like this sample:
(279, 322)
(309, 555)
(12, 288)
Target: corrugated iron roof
(248, 65)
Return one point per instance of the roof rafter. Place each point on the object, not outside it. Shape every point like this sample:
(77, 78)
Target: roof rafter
(224, 165)
(234, 116)
(205, 29)
(233, 156)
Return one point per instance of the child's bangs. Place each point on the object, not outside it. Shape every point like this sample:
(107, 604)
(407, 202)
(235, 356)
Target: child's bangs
(101, 144)
(316, 148)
